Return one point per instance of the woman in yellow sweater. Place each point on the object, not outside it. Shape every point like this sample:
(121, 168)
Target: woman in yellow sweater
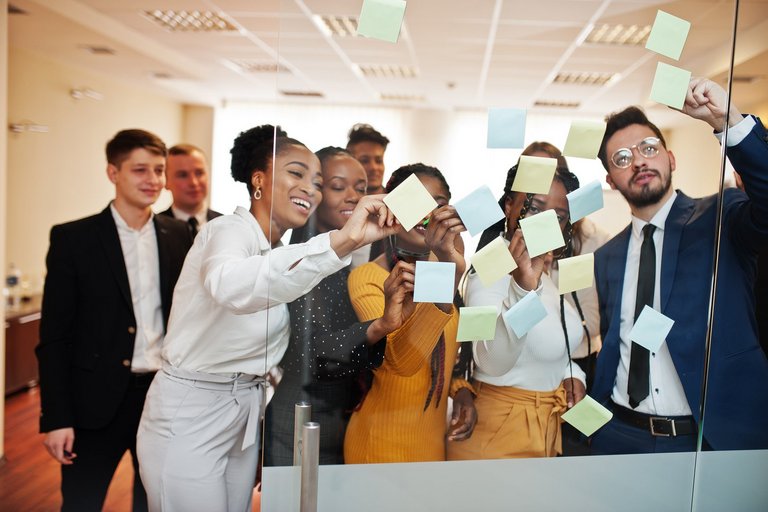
(403, 417)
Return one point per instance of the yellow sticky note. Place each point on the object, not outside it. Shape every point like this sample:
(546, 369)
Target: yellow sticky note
(587, 416)
(542, 233)
(381, 19)
(534, 174)
(410, 202)
(668, 35)
(670, 85)
(477, 323)
(576, 273)
(493, 262)
(584, 139)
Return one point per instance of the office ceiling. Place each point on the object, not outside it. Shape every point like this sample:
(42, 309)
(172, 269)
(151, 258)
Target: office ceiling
(453, 54)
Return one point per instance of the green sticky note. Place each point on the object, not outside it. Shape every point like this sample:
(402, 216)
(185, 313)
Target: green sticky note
(534, 174)
(381, 19)
(410, 202)
(477, 323)
(587, 416)
(670, 85)
(668, 35)
(576, 273)
(584, 139)
(493, 262)
(542, 233)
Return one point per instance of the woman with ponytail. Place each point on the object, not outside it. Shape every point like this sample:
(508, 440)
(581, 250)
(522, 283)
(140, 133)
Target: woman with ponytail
(199, 434)
(403, 417)
(525, 384)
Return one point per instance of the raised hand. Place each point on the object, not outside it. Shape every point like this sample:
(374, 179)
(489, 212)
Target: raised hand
(706, 100)
(443, 237)
(371, 220)
(529, 270)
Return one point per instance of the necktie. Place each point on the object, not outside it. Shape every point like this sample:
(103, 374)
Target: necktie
(639, 363)
(193, 225)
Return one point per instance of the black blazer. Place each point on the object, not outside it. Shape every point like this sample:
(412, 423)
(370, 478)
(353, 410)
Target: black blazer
(87, 330)
(210, 215)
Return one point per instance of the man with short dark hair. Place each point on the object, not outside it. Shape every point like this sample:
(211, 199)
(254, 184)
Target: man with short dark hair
(368, 145)
(664, 260)
(186, 173)
(106, 303)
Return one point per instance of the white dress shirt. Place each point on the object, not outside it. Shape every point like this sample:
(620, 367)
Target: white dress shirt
(229, 310)
(666, 396)
(143, 267)
(537, 361)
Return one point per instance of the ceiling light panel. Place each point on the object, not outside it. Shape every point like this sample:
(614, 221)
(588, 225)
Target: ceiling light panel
(619, 35)
(189, 21)
(556, 104)
(339, 26)
(387, 71)
(258, 66)
(583, 78)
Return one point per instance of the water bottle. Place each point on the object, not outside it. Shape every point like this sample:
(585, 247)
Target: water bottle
(13, 283)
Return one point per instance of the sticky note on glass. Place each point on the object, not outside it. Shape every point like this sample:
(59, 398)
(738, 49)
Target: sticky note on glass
(670, 85)
(524, 315)
(534, 174)
(479, 210)
(493, 262)
(381, 19)
(542, 233)
(410, 202)
(651, 329)
(584, 139)
(434, 282)
(668, 35)
(576, 273)
(585, 200)
(477, 323)
(506, 128)
(587, 416)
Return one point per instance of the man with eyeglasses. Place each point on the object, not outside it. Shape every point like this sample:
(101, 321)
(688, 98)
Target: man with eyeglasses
(664, 260)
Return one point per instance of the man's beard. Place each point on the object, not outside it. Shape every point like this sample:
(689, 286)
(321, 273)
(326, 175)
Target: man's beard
(647, 196)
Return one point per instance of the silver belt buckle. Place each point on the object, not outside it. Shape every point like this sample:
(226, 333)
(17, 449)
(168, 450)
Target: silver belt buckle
(659, 434)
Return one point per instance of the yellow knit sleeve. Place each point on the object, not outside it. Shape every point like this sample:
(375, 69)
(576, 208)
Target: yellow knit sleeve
(458, 383)
(366, 291)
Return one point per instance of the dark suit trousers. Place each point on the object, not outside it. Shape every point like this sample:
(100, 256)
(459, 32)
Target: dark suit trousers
(618, 437)
(84, 483)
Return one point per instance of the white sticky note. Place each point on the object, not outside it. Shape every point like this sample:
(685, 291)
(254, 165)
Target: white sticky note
(651, 329)
(524, 315)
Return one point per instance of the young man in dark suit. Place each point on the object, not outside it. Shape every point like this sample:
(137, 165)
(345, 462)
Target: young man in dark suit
(106, 303)
(664, 260)
(186, 176)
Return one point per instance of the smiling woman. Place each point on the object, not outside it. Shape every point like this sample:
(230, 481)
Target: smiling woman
(198, 438)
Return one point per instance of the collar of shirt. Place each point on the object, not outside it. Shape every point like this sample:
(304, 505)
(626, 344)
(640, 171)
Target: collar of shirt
(658, 220)
(201, 216)
(122, 225)
(251, 220)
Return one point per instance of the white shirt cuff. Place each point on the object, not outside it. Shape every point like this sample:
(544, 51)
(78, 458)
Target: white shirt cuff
(738, 132)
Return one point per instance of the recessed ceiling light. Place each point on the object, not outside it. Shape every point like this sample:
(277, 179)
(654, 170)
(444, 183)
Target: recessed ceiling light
(386, 71)
(407, 98)
(583, 78)
(306, 94)
(556, 104)
(340, 26)
(257, 66)
(624, 35)
(189, 21)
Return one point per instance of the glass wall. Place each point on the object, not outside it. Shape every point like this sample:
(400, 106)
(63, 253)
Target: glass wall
(379, 362)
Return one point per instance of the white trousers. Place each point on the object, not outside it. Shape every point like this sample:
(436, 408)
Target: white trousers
(197, 441)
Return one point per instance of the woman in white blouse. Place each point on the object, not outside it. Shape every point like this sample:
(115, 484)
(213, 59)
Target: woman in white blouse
(198, 437)
(525, 383)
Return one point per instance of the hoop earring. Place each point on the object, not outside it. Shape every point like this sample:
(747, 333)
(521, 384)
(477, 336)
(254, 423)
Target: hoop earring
(257, 193)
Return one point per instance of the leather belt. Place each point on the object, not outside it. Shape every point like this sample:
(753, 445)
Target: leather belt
(663, 426)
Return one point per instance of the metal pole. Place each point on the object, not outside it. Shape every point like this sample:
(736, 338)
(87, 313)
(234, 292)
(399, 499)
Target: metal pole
(302, 415)
(309, 466)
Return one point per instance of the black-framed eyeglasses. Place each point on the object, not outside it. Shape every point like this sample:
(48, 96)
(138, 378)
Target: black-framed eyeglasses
(648, 148)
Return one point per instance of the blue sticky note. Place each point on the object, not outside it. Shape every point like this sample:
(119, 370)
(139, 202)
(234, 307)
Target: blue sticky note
(585, 200)
(479, 210)
(381, 19)
(506, 128)
(434, 282)
(525, 314)
(651, 329)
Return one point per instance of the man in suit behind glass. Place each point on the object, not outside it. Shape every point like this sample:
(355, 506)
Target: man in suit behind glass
(656, 395)
(186, 176)
(105, 307)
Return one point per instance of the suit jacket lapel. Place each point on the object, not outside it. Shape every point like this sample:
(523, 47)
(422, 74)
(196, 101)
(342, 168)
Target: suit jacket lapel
(616, 271)
(681, 211)
(110, 241)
